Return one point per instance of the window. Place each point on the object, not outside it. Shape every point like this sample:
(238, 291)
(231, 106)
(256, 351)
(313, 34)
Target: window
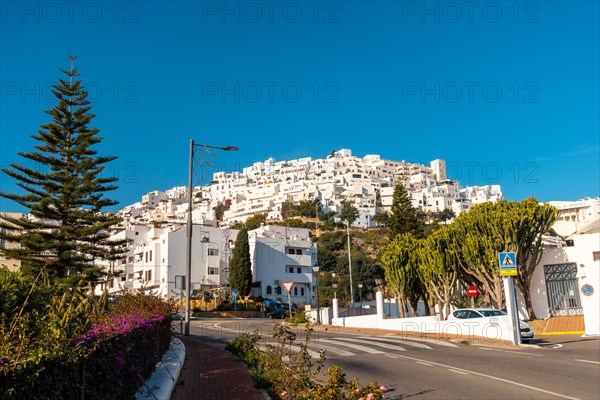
(291, 270)
(295, 291)
(294, 251)
(278, 290)
(146, 254)
(269, 289)
(150, 255)
(596, 255)
(148, 276)
(213, 251)
(301, 291)
(213, 271)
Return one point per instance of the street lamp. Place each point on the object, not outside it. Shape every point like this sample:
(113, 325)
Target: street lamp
(316, 272)
(360, 286)
(204, 149)
(350, 266)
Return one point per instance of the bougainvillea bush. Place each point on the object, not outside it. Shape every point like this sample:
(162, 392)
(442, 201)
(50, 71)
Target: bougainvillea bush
(57, 344)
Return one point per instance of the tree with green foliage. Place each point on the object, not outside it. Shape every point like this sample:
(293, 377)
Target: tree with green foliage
(240, 266)
(438, 269)
(401, 260)
(255, 221)
(349, 212)
(528, 221)
(68, 231)
(403, 217)
(381, 218)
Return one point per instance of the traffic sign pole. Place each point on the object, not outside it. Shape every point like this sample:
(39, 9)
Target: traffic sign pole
(508, 270)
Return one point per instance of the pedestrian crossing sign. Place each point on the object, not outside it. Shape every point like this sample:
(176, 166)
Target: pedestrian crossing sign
(508, 263)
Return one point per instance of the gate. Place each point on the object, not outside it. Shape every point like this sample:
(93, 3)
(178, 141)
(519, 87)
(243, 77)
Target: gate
(562, 289)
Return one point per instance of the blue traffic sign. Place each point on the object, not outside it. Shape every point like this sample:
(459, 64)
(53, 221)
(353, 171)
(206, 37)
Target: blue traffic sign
(235, 292)
(508, 264)
(507, 260)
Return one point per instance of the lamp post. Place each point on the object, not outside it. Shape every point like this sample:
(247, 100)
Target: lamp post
(316, 272)
(188, 254)
(350, 266)
(360, 286)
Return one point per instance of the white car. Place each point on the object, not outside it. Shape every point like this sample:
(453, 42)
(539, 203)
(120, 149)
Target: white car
(465, 313)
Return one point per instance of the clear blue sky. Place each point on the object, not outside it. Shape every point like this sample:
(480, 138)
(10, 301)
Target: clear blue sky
(505, 92)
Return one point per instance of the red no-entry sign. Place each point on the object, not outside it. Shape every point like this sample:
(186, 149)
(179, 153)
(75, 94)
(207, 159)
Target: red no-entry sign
(472, 291)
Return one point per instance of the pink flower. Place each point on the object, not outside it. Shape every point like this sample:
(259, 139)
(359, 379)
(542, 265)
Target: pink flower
(383, 388)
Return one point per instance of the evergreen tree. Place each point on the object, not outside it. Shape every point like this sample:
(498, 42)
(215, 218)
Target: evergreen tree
(240, 266)
(68, 231)
(403, 217)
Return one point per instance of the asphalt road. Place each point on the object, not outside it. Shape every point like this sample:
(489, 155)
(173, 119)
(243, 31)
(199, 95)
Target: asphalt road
(552, 367)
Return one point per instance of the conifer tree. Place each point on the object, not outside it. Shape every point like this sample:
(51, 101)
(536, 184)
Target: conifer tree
(240, 266)
(67, 232)
(403, 217)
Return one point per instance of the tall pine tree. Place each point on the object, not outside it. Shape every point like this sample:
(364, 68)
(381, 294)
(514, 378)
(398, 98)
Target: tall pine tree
(403, 217)
(240, 266)
(67, 232)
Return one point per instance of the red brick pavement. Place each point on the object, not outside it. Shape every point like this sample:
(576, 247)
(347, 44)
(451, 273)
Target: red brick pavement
(212, 373)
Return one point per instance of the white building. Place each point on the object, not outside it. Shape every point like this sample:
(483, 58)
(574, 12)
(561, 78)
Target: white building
(11, 264)
(281, 254)
(158, 256)
(567, 281)
(577, 216)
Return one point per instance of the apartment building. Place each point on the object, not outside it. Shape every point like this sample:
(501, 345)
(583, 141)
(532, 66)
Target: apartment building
(280, 254)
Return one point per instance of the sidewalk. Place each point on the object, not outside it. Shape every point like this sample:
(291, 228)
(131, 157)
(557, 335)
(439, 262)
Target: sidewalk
(213, 373)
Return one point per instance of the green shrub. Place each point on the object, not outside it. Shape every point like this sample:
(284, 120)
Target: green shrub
(288, 374)
(51, 338)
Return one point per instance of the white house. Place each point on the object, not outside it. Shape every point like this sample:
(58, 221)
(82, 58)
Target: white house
(158, 256)
(281, 254)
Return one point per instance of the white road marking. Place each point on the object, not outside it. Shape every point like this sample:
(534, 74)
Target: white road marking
(424, 363)
(354, 346)
(424, 339)
(374, 343)
(391, 356)
(404, 342)
(510, 351)
(588, 361)
(457, 371)
(557, 346)
(510, 382)
(335, 350)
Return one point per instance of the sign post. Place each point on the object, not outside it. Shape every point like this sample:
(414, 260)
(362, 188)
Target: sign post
(508, 269)
(288, 288)
(472, 291)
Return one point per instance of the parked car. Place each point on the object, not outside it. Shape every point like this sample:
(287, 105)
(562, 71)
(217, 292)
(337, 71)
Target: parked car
(281, 312)
(465, 313)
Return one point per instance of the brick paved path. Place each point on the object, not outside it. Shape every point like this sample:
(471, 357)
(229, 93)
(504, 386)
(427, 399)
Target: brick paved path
(212, 373)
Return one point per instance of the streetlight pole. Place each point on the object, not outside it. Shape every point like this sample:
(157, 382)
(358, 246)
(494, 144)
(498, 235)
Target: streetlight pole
(188, 252)
(316, 271)
(350, 266)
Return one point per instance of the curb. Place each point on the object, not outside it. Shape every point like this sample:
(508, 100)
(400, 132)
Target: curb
(562, 333)
(161, 383)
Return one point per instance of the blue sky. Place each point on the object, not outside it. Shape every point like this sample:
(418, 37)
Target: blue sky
(507, 93)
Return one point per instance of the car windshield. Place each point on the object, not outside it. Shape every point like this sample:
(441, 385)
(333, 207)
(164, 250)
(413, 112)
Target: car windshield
(491, 313)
